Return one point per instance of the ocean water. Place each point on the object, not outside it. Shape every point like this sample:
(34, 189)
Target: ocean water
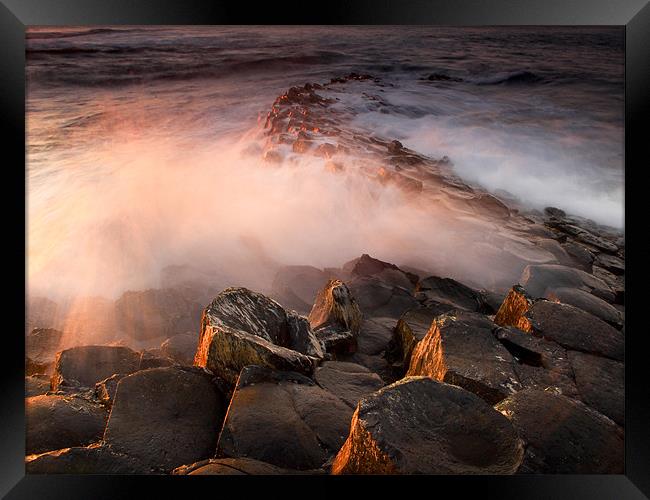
(137, 141)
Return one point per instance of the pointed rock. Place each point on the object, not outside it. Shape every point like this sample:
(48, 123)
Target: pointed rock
(460, 349)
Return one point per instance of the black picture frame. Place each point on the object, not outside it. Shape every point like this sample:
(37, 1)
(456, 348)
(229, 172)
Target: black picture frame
(15, 15)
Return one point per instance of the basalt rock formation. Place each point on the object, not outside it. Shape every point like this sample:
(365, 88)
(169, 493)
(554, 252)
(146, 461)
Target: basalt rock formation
(563, 436)
(283, 418)
(163, 418)
(241, 328)
(420, 426)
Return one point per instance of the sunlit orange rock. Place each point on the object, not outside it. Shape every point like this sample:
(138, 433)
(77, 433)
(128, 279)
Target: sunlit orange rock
(460, 349)
(514, 307)
(420, 426)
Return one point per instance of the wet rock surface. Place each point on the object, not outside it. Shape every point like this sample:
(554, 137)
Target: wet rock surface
(241, 327)
(563, 436)
(460, 349)
(309, 423)
(57, 421)
(420, 426)
(292, 409)
(163, 418)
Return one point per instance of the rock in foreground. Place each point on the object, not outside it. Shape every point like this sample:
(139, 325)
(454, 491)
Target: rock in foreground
(284, 419)
(461, 349)
(420, 426)
(55, 422)
(165, 417)
(563, 436)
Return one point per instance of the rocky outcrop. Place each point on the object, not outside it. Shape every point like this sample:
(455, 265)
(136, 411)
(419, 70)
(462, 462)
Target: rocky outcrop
(241, 328)
(163, 418)
(460, 349)
(86, 365)
(563, 436)
(601, 384)
(420, 426)
(55, 421)
(335, 317)
(283, 418)
(347, 381)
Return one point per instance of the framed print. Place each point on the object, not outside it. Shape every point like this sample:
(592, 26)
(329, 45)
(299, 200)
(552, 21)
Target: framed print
(366, 243)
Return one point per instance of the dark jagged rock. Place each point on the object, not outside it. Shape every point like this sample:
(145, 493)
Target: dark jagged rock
(92, 459)
(41, 346)
(410, 329)
(348, 381)
(105, 390)
(234, 467)
(538, 363)
(536, 279)
(460, 349)
(241, 328)
(86, 365)
(587, 302)
(308, 423)
(35, 385)
(450, 292)
(575, 329)
(563, 436)
(180, 348)
(296, 287)
(335, 317)
(55, 421)
(157, 313)
(163, 418)
(601, 384)
(418, 425)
